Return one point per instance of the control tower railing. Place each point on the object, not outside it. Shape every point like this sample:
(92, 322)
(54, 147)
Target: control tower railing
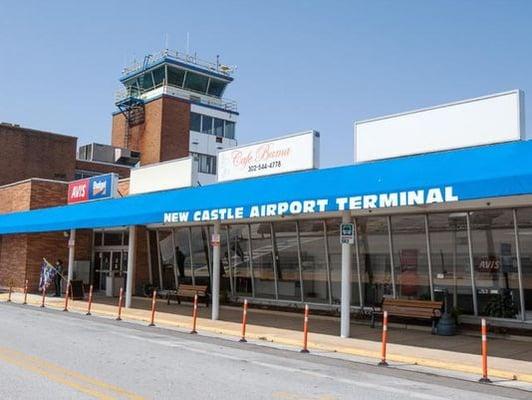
(152, 59)
(124, 94)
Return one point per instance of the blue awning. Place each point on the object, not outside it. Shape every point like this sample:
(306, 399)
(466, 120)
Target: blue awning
(467, 174)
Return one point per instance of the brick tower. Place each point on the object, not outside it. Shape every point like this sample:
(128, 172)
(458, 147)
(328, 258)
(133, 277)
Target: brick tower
(172, 106)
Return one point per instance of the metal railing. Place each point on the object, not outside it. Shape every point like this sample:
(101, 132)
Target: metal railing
(152, 59)
(186, 94)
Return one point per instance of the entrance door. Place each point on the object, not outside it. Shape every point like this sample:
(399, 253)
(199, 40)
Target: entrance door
(102, 268)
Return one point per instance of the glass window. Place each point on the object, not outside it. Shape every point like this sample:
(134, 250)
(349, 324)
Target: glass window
(229, 130)
(206, 125)
(495, 263)
(450, 259)
(335, 260)
(240, 259)
(524, 222)
(375, 266)
(167, 257)
(219, 127)
(410, 257)
(206, 163)
(158, 76)
(175, 76)
(263, 268)
(147, 81)
(195, 122)
(182, 251)
(216, 87)
(196, 82)
(201, 254)
(287, 261)
(314, 262)
(98, 238)
(112, 238)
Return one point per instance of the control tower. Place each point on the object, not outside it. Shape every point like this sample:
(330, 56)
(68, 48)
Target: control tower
(171, 106)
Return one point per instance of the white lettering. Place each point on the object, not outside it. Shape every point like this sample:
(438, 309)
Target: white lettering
(197, 216)
(388, 200)
(270, 210)
(355, 203)
(308, 206)
(370, 201)
(239, 212)
(282, 208)
(341, 202)
(254, 212)
(322, 204)
(449, 195)
(434, 196)
(416, 197)
(295, 207)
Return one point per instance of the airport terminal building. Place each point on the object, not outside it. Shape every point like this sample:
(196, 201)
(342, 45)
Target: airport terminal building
(440, 201)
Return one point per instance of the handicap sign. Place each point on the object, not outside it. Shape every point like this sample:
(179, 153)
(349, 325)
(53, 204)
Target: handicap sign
(347, 233)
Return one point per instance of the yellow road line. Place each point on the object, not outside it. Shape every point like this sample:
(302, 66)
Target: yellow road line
(56, 373)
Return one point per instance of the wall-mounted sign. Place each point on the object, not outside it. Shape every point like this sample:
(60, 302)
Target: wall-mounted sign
(93, 188)
(347, 233)
(166, 175)
(292, 153)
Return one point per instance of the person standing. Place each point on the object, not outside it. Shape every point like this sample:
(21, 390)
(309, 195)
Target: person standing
(180, 257)
(58, 277)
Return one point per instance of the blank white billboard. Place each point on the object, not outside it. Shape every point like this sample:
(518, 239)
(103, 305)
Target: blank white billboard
(485, 120)
(291, 153)
(163, 176)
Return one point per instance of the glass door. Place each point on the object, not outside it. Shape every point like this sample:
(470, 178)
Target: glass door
(102, 268)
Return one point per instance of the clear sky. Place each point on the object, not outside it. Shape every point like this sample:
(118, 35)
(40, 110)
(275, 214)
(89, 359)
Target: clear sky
(301, 64)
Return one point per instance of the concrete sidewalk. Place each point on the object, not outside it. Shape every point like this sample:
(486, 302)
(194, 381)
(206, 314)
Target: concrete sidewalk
(508, 359)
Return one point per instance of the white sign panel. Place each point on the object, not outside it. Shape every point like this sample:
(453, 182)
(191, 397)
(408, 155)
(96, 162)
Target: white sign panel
(485, 120)
(163, 176)
(292, 153)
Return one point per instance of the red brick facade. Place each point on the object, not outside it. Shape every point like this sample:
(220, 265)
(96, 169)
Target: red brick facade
(164, 135)
(28, 153)
(102, 168)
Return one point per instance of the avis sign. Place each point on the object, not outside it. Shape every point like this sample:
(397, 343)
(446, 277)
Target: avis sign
(93, 188)
(292, 153)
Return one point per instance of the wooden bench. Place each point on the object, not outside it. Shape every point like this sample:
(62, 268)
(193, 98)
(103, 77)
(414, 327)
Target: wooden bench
(418, 309)
(188, 292)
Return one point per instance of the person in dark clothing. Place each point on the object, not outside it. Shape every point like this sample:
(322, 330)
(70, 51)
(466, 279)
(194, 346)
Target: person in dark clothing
(59, 271)
(180, 258)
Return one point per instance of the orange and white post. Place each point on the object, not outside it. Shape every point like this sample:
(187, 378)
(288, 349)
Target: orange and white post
(244, 321)
(66, 297)
(43, 296)
(89, 305)
(25, 292)
(383, 362)
(305, 331)
(484, 334)
(120, 295)
(153, 302)
(194, 315)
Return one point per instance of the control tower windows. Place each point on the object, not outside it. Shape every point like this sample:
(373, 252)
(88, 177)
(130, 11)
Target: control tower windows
(176, 77)
(216, 87)
(229, 130)
(219, 127)
(195, 122)
(196, 82)
(206, 125)
(158, 76)
(206, 163)
(147, 81)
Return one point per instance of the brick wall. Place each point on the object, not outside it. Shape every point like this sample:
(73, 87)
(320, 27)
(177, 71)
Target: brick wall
(51, 246)
(164, 135)
(13, 261)
(15, 197)
(29, 153)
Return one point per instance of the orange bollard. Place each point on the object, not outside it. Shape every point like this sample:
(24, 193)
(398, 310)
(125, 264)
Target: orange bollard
(484, 333)
(25, 292)
(383, 362)
(43, 295)
(90, 301)
(66, 297)
(194, 315)
(305, 331)
(244, 321)
(153, 301)
(10, 291)
(119, 318)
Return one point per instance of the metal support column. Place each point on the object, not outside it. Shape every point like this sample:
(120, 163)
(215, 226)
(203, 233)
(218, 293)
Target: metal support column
(71, 253)
(132, 249)
(359, 273)
(347, 263)
(216, 271)
(150, 271)
(159, 264)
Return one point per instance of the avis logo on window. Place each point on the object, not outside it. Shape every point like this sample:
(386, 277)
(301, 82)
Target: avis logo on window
(99, 187)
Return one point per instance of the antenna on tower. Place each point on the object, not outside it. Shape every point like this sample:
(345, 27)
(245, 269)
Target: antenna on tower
(188, 43)
(166, 42)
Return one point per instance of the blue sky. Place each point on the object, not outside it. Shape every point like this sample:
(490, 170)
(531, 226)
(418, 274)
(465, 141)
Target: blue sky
(301, 64)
